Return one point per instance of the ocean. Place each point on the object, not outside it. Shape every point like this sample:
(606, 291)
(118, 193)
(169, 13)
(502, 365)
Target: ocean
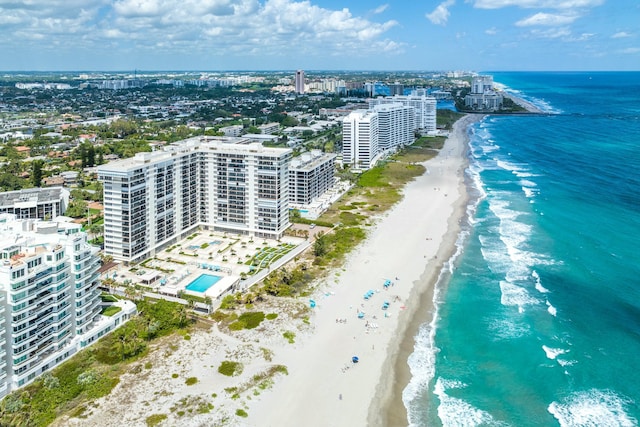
(537, 317)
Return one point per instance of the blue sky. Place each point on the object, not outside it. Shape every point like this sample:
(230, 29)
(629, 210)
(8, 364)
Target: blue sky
(319, 35)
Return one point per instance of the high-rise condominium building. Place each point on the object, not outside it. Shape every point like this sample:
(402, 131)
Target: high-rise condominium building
(360, 139)
(156, 199)
(310, 175)
(299, 81)
(49, 297)
(366, 134)
(396, 124)
(482, 84)
(483, 96)
(424, 108)
(396, 89)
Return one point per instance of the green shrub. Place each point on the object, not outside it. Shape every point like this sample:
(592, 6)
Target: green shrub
(252, 319)
(290, 336)
(174, 375)
(191, 381)
(155, 419)
(241, 413)
(230, 368)
(248, 320)
(271, 316)
(236, 326)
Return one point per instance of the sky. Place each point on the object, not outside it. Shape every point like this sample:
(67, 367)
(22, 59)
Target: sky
(477, 35)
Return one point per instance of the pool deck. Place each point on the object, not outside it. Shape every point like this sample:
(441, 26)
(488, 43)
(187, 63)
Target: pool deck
(220, 254)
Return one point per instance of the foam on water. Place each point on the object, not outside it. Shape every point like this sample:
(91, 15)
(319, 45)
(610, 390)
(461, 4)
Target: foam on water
(552, 353)
(551, 309)
(539, 286)
(422, 361)
(508, 329)
(529, 192)
(593, 408)
(455, 412)
(543, 105)
(513, 295)
(511, 167)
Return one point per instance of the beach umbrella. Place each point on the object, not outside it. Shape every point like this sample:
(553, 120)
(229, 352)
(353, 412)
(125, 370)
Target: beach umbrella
(355, 359)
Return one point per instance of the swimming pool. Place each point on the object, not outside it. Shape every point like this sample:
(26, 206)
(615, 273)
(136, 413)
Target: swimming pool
(203, 282)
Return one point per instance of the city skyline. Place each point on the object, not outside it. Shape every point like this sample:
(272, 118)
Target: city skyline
(325, 34)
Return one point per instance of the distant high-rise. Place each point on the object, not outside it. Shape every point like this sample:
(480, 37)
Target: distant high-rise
(396, 89)
(299, 81)
(424, 107)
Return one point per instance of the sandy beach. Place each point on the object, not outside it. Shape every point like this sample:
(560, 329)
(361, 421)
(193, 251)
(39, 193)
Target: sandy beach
(180, 382)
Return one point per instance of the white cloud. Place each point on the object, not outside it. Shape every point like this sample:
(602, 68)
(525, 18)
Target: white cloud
(205, 27)
(381, 8)
(441, 13)
(547, 19)
(552, 33)
(536, 4)
(491, 31)
(630, 50)
(621, 35)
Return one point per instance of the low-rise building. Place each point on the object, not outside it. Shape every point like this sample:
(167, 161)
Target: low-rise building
(269, 128)
(234, 130)
(35, 203)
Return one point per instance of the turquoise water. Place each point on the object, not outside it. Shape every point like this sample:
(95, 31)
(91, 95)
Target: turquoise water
(539, 322)
(203, 282)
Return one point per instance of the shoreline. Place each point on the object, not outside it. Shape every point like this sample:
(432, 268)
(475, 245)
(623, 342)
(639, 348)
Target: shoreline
(388, 407)
(531, 109)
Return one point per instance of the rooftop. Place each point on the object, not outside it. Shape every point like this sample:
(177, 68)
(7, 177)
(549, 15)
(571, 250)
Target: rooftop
(33, 195)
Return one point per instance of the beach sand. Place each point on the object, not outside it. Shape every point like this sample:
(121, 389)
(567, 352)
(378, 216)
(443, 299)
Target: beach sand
(408, 246)
(324, 387)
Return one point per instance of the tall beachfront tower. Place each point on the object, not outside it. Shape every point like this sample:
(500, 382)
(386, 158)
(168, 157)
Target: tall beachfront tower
(482, 84)
(299, 81)
(424, 108)
(360, 139)
(156, 199)
(49, 297)
(396, 123)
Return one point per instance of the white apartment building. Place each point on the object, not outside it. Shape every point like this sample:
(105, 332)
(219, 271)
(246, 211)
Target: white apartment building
(483, 96)
(310, 175)
(424, 108)
(156, 199)
(49, 297)
(233, 130)
(481, 84)
(269, 128)
(396, 123)
(360, 139)
(368, 134)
